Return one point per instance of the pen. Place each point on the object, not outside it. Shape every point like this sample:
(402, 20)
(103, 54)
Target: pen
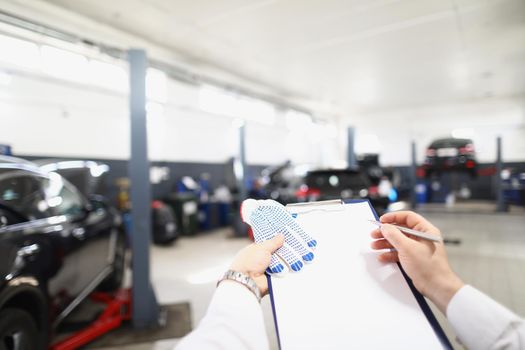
(423, 235)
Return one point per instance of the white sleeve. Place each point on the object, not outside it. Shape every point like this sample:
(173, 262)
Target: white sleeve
(234, 320)
(482, 323)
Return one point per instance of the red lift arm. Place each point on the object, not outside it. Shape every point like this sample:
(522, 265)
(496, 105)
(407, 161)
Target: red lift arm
(118, 309)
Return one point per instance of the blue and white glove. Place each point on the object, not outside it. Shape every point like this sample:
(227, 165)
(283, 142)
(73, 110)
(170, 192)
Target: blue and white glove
(269, 218)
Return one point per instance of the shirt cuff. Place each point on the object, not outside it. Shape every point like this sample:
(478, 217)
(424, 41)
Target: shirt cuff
(239, 295)
(477, 319)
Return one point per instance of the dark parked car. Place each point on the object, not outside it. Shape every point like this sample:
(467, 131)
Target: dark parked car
(369, 164)
(450, 154)
(56, 246)
(88, 177)
(283, 183)
(343, 184)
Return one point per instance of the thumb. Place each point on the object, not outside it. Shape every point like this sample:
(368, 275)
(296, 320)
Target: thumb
(396, 237)
(273, 244)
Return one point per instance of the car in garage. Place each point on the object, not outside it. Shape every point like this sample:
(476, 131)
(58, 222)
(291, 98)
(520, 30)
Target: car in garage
(450, 154)
(345, 184)
(88, 177)
(283, 183)
(56, 247)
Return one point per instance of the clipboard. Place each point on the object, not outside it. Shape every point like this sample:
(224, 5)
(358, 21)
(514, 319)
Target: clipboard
(294, 296)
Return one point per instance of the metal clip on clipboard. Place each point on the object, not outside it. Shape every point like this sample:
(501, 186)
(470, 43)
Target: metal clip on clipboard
(305, 208)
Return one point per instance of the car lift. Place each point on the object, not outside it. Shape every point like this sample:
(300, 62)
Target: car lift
(117, 310)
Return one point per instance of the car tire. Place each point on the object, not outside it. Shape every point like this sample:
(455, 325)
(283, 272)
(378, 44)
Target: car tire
(114, 280)
(18, 330)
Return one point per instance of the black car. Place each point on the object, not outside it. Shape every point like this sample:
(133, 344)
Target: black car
(88, 177)
(284, 183)
(344, 184)
(450, 154)
(56, 246)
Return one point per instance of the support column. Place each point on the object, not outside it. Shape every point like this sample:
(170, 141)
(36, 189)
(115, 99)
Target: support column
(500, 202)
(145, 308)
(240, 168)
(243, 193)
(350, 155)
(413, 176)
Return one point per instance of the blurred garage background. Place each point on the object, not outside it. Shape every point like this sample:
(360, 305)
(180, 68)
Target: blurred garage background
(409, 104)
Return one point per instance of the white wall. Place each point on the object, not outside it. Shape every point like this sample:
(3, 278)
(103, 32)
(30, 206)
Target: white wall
(45, 116)
(391, 132)
(40, 115)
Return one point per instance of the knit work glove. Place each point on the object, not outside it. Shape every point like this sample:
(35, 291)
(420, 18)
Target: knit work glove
(269, 218)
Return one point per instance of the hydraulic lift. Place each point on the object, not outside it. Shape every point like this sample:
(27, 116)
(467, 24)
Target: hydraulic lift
(117, 310)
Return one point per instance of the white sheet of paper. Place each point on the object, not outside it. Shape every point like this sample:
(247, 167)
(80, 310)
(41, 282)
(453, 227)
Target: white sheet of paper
(347, 299)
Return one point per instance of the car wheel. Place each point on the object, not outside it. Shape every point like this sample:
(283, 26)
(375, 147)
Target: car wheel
(114, 280)
(18, 330)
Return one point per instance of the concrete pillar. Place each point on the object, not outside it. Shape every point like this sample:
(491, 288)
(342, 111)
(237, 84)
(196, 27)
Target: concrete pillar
(350, 153)
(413, 177)
(500, 202)
(145, 308)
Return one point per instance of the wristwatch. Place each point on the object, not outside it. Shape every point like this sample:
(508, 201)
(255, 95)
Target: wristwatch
(243, 279)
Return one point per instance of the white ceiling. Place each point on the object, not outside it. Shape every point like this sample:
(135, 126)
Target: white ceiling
(353, 55)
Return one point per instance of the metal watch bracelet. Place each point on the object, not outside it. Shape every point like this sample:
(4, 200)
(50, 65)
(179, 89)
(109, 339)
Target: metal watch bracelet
(243, 279)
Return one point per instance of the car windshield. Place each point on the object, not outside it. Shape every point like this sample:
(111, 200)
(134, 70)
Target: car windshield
(31, 196)
(21, 193)
(336, 180)
(445, 143)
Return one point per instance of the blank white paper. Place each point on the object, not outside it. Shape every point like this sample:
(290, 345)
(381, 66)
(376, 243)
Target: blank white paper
(346, 298)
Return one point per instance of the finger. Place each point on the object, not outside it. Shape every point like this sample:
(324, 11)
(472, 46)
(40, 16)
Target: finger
(389, 257)
(282, 218)
(404, 217)
(298, 245)
(302, 233)
(397, 238)
(290, 257)
(408, 219)
(399, 217)
(262, 231)
(376, 234)
(271, 245)
(381, 244)
(276, 267)
(247, 208)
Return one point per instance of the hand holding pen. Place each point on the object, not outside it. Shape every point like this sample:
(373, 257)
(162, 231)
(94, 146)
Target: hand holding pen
(424, 261)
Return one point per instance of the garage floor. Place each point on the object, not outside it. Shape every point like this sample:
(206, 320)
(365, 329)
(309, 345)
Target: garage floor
(491, 257)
